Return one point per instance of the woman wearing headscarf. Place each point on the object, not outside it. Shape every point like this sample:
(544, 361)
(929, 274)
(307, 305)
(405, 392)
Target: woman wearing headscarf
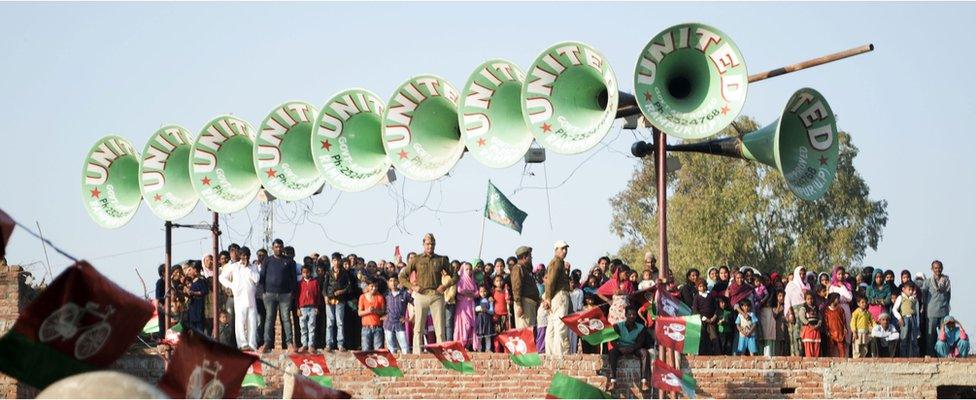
(739, 290)
(878, 295)
(616, 291)
(711, 278)
(846, 295)
(795, 289)
(464, 322)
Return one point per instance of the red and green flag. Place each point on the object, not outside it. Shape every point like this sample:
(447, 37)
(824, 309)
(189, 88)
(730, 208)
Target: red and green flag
(592, 326)
(313, 366)
(81, 322)
(520, 344)
(453, 356)
(305, 388)
(670, 306)
(172, 337)
(255, 375)
(566, 387)
(203, 369)
(381, 362)
(152, 326)
(669, 379)
(679, 333)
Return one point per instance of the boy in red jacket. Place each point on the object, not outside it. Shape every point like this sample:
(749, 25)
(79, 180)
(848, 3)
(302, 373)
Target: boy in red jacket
(308, 294)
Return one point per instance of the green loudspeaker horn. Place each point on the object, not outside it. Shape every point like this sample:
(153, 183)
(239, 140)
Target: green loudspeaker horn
(802, 145)
(222, 165)
(347, 141)
(283, 154)
(110, 182)
(493, 128)
(690, 81)
(421, 133)
(164, 174)
(570, 98)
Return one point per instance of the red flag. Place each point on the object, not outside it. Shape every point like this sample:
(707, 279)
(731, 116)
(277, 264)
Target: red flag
(396, 253)
(202, 368)
(81, 322)
(520, 344)
(305, 388)
(381, 362)
(669, 379)
(312, 366)
(592, 326)
(452, 355)
(6, 229)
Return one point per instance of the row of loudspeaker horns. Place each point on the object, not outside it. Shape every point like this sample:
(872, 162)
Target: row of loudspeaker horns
(690, 82)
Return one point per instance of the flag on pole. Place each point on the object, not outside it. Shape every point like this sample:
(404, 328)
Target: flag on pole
(152, 326)
(306, 388)
(566, 387)
(255, 375)
(679, 333)
(592, 326)
(81, 322)
(313, 366)
(453, 356)
(381, 362)
(201, 368)
(670, 306)
(501, 210)
(668, 379)
(520, 344)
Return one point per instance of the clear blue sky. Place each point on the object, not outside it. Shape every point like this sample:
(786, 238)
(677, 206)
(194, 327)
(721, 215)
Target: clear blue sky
(72, 73)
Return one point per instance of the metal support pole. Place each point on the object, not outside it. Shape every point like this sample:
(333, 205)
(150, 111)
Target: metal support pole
(215, 229)
(166, 276)
(660, 169)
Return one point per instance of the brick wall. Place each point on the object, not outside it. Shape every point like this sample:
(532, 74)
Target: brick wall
(496, 377)
(718, 377)
(15, 294)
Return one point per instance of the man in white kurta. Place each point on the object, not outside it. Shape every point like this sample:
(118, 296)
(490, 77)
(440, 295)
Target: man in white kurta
(242, 279)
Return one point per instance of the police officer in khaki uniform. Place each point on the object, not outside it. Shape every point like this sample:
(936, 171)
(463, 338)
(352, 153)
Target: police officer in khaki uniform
(525, 293)
(428, 292)
(556, 300)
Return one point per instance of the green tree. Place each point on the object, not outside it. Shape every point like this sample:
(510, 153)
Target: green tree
(738, 212)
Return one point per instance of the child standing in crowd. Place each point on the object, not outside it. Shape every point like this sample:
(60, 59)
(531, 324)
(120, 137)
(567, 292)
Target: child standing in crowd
(394, 325)
(308, 295)
(781, 346)
(576, 304)
(484, 321)
(499, 296)
(809, 317)
(726, 326)
(647, 280)
(861, 328)
(833, 317)
(796, 341)
(226, 330)
(589, 302)
(746, 323)
(906, 310)
(371, 308)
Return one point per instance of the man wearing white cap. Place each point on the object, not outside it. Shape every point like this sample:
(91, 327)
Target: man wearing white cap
(556, 300)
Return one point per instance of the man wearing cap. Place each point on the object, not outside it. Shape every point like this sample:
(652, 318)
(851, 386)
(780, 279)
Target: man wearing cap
(429, 290)
(555, 299)
(525, 294)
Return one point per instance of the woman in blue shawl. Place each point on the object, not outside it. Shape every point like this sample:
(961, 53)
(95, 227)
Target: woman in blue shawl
(878, 295)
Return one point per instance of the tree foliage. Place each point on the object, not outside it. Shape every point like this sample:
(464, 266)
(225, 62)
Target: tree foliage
(739, 212)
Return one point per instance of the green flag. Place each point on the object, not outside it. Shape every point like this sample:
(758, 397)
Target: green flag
(566, 387)
(501, 210)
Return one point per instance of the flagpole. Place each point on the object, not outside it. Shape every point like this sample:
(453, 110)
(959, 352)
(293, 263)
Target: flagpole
(481, 243)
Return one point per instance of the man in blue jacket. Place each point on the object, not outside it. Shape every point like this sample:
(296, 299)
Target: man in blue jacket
(278, 280)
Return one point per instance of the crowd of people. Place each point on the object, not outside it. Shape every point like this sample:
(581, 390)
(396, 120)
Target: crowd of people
(337, 302)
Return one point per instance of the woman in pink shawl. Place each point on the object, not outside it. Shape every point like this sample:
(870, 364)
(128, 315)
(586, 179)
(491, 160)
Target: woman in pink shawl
(739, 290)
(841, 287)
(616, 291)
(464, 322)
